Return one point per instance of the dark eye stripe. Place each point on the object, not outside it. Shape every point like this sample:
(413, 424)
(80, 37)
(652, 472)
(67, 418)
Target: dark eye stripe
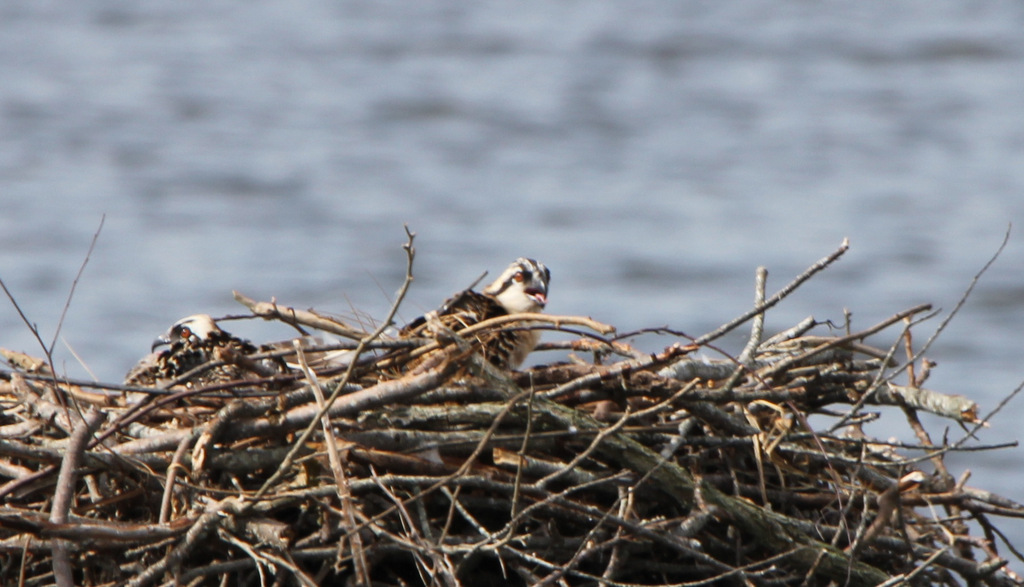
(531, 267)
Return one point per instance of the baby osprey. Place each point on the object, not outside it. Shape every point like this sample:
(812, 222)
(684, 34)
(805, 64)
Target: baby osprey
(194, 341)
(521, 288)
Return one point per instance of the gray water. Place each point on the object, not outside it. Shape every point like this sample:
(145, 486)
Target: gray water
(653, 154)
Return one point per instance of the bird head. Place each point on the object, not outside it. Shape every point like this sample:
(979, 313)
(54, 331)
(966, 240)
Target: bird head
(189, 330)
(522, 287)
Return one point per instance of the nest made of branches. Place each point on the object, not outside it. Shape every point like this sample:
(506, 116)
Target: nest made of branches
(612, 468)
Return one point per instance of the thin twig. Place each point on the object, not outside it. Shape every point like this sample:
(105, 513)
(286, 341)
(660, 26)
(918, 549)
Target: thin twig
(777, 297)
(285, 466)
(337, 468)
(74, 285)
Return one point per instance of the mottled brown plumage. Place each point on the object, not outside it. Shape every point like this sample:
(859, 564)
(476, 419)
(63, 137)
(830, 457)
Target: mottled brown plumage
(521, 288)
(194, 341)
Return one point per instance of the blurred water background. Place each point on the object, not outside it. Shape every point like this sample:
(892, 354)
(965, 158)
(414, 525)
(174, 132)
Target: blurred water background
(653, 154)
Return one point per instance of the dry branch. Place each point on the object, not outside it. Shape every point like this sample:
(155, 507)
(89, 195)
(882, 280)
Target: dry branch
(289, 315)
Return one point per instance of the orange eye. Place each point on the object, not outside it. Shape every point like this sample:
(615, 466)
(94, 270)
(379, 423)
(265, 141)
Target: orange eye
(185, 332)
(518, 277)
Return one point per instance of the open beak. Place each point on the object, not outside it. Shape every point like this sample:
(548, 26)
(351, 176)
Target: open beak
(538, 296)
(160, 341)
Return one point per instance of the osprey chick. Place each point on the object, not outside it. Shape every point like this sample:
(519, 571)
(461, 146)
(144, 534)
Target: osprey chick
(521, 288)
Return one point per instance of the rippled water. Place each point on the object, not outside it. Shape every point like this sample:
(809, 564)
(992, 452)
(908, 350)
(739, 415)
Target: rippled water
(653, 154)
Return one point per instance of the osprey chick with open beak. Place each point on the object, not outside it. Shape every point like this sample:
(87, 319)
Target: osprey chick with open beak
(522, 287)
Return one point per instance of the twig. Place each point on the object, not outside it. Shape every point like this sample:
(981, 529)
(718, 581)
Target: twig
(531, 321)
(209, 520)
(64, 495)
(963, 297)
(410, 255)
(338, 470)
(74, 285)
(757, 331)
(839, 341)
(776, 297)
(289, 315)
(172, 474)
(746, 359)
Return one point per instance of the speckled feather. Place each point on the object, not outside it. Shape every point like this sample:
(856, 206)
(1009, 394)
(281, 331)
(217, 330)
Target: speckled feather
(522, 287)
(195, 341)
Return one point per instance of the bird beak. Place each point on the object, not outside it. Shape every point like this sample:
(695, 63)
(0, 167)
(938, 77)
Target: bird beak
(538, 296)
(160, 341)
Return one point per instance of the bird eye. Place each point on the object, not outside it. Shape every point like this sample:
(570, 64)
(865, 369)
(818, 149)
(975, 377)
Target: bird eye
(518, 277)
(186, 332)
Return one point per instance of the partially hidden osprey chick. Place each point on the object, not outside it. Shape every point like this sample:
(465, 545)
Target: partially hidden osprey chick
(521, 288)
(194, 341)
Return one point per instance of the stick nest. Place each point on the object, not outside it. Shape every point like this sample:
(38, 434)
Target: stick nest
(614, 467)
